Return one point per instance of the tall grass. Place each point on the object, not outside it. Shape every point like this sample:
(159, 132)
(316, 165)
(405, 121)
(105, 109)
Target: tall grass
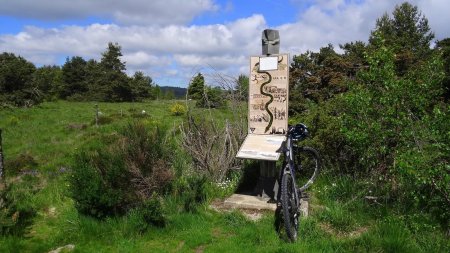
(341, 220)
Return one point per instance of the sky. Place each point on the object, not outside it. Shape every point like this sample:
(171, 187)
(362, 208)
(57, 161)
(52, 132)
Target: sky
(172, 40)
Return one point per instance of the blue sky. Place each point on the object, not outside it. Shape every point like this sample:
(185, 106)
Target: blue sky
(171, 40)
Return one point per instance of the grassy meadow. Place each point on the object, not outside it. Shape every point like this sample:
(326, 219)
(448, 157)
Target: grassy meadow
(48, 135)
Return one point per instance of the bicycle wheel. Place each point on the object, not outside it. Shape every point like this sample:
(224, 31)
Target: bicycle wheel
(289, 206)
(308, 167)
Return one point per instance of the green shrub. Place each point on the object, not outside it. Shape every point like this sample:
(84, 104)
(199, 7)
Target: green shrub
(195, 192)
(148, 213)
(112, 179)
(177, 109)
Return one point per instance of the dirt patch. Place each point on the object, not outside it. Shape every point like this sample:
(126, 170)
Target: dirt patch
(339, 234)
(200, 249)
(76, 126)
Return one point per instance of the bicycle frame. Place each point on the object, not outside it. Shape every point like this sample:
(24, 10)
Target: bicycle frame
(289, 161)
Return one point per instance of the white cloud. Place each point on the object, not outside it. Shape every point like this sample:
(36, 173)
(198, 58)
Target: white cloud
(154, 12)
(221, 47)
(340, 21)
(178, 51)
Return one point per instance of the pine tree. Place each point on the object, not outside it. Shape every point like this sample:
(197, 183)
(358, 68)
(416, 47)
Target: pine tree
(407, 32)
(197, 87)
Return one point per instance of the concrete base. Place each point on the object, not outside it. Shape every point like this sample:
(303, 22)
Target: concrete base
(304, 207)
(249, 202)
(240, 201)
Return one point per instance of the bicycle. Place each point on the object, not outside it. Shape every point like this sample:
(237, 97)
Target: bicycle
(301, 165)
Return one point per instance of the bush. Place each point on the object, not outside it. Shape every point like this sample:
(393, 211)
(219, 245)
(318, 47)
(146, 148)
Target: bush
(177, 109)
(114, 178)
(212, 146)
(193, 191)
(395, 126)
(148, 213)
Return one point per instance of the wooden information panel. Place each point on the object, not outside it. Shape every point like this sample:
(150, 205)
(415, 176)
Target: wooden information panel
(268, 95)
(267, 107)
(261, 147)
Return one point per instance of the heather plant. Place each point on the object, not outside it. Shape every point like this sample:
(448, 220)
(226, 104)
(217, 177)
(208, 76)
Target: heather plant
(125, 173)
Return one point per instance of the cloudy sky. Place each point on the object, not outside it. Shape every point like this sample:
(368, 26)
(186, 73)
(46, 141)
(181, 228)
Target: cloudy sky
(171, 40)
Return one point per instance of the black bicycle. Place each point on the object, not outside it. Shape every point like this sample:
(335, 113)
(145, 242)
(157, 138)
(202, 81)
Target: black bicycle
(301, 165)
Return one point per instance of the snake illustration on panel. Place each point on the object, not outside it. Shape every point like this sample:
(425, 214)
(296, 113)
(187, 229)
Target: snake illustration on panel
(261, 89)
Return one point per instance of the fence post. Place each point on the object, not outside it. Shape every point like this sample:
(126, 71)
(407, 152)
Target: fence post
(96, 115)
(1, 156)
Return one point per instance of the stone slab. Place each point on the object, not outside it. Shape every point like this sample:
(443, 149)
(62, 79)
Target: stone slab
(249, 202)
(241, 201)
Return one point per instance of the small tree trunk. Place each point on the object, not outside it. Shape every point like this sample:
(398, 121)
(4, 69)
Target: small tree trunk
(1, 156)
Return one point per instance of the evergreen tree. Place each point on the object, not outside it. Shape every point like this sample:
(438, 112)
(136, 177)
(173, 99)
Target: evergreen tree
(316, 77)
(74, 79)
(16, 86)
(113, 84)
(197, 87)
(141, 86)
(407, 33)
(48, 79)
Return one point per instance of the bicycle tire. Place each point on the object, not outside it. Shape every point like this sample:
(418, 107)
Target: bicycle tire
(289, 206)
(308, 162)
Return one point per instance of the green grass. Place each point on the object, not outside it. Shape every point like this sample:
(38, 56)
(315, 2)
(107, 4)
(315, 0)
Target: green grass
(341, 219)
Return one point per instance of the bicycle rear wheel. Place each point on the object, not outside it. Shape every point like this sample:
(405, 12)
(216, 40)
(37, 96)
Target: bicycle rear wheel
(308, 166)
(290, 206)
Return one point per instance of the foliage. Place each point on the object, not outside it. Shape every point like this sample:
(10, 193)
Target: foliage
(48, 80)
(146, 214)
(16, 211)
(141, 86)
(178, 109)
(112, 179)
(317, 77)
(22, 162)
(212, 146)
(74, 77)
(407, 33)
(242, 84)
(22, 84)
(443, 47)
(212, 97)
(16, 84)
(196, 191)
(196, 87)
(389, 122)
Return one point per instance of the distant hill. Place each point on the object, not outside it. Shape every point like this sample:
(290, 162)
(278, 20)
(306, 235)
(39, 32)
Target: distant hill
(179, 92)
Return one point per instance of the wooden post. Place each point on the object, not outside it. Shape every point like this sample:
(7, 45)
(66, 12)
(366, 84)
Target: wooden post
(1, 156)
(96, 115)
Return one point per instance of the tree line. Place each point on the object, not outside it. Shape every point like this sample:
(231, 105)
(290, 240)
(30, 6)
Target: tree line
(23, 84)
